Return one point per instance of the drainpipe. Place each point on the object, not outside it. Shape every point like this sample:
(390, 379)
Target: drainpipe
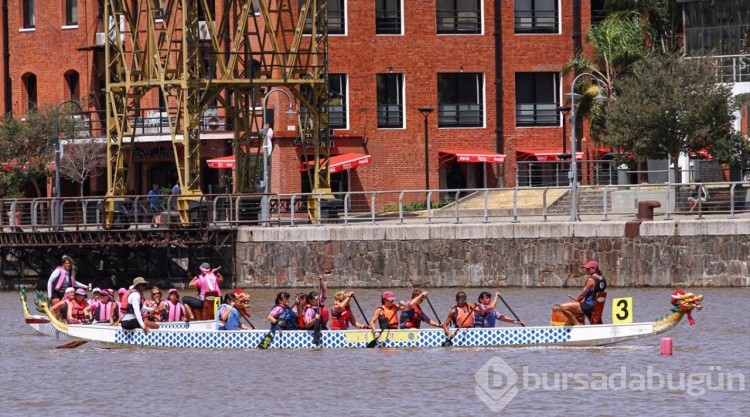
(500, 143)
(577, 43)
(6, 62)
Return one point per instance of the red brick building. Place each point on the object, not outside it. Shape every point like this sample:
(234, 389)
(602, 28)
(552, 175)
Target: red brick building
(491, 70)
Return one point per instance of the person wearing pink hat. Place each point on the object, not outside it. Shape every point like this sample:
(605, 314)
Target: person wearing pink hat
(387, 314)
(105, 310)
(176, 310)
(584, 303)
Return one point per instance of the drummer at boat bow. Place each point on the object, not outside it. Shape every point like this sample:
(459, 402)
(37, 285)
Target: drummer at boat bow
(207, 283)
(131, 306)
(62, 277)
(584, 303)
(413, 316)
(461, 314)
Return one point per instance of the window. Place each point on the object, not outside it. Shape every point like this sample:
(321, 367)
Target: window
(336, 17)
(72, 80)
(537, 95)
(212, 10)
(390, 100)
(459, 16)
(598, 12)
(337, 102)
(29, 83)
(29, 19)
(159, 6)
(460, 100)
(536, 16)
(388, 17)
(71, 12)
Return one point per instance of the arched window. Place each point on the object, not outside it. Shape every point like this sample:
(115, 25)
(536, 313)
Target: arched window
(72, 81)
(30, 87)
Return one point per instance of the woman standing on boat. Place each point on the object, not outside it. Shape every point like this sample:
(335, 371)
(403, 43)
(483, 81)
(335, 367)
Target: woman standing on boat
(207, 283)
(342, 312)
(584, 303)
(62, 277)
(485, 314)
(461, 314)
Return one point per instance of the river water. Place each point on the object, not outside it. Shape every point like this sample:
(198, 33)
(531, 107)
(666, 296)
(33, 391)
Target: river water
(708, 374)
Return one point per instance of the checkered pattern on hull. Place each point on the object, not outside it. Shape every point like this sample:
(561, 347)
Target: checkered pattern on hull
(208, 339)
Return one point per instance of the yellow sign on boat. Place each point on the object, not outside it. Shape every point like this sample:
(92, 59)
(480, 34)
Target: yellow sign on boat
(392, 335)
(622, 310)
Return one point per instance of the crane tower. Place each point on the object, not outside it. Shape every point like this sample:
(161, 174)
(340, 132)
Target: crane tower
(231, 53)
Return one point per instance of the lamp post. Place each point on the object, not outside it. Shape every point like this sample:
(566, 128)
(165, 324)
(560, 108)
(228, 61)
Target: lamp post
(573, 173)
(426, 111)
(267, 145)
(58, 156)
(564, 155)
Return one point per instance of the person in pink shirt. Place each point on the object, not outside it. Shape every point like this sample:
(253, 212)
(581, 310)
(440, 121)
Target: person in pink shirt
(207, 283)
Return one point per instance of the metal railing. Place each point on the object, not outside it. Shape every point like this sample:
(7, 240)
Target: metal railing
(728, 199)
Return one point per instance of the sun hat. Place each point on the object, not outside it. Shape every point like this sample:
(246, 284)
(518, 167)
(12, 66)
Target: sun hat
(80, 291)
(172, 290)
(69, 289)
(105, 292)
(97, 289)
(139, 280)
(591, 264)
(388, 295)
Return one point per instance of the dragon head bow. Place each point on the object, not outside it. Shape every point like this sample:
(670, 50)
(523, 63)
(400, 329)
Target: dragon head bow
(686, 303)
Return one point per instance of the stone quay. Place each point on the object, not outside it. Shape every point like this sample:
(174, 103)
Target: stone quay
(669, 253)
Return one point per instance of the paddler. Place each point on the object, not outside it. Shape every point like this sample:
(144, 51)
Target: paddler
(584, 303)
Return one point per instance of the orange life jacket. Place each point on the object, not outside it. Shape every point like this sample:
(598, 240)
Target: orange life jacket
(77, 310)
(464, 317)
(389, 317)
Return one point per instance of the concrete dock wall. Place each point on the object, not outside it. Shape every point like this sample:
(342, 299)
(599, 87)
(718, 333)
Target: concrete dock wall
(693, 253)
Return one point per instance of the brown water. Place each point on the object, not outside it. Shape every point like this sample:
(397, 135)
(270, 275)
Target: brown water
(37, 379)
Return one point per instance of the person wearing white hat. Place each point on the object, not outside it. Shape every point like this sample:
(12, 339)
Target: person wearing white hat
(584, 303)
(60, 308)
(131, 306)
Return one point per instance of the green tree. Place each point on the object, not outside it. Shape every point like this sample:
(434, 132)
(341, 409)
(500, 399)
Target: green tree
(671, 105)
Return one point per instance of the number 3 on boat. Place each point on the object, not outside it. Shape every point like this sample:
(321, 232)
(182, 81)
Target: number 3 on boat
(622, 310)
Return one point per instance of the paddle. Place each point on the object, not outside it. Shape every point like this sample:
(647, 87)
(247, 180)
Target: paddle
(72, 344)
(434, 312)
(266, 342)
(317, 326)
(511, 311)
(374, 340)
(248, 321)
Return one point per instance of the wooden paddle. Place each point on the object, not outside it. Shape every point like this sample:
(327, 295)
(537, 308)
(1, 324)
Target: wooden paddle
(72, 344)
(511, 311)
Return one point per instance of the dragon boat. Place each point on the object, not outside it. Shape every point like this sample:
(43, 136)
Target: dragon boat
(587, 335)
(38, 322)
(58, 329)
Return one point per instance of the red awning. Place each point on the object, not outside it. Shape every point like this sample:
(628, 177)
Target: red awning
(478, 155)
(222, 162)
(343, 162)
(543, 155)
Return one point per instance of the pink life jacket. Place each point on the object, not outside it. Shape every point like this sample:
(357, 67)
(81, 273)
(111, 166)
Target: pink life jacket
(176, 311)
(103, 311)
(61, 279)
(203, 280)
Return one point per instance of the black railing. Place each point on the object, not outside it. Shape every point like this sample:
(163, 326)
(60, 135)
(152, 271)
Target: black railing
(460, 115)
(530, 21)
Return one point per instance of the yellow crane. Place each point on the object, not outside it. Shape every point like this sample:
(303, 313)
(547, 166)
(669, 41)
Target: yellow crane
(192, 53)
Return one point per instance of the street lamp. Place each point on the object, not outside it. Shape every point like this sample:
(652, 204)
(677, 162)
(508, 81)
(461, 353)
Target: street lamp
(573, 173)
(426, 111)
(564, 155)
(58, 155)
(267, 145)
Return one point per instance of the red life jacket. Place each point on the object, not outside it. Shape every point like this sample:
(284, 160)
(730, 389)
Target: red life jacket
(324, 314)
(341, 319)
(414, 320)
(77, 310)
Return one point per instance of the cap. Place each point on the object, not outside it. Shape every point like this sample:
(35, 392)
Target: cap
(69, 289)
(591, 264)
(80, 291)
(172, 290)
(139, 280)
(106, 292)
(388, 295)
(121, 291)
(205, 265)
(97, 289)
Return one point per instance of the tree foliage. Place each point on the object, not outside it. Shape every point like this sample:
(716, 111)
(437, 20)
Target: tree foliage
(670, 105)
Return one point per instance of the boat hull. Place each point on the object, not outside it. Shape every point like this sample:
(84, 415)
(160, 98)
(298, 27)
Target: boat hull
(422, 338)
(42, 325)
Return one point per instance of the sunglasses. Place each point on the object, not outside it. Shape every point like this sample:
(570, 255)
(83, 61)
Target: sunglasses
(461, 300)
(155, 293)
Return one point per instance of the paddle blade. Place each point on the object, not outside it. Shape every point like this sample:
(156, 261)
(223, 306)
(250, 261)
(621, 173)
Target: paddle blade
(447, 343)
(316, 333)
(72, 344)
(266, 342)
(374, 342)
